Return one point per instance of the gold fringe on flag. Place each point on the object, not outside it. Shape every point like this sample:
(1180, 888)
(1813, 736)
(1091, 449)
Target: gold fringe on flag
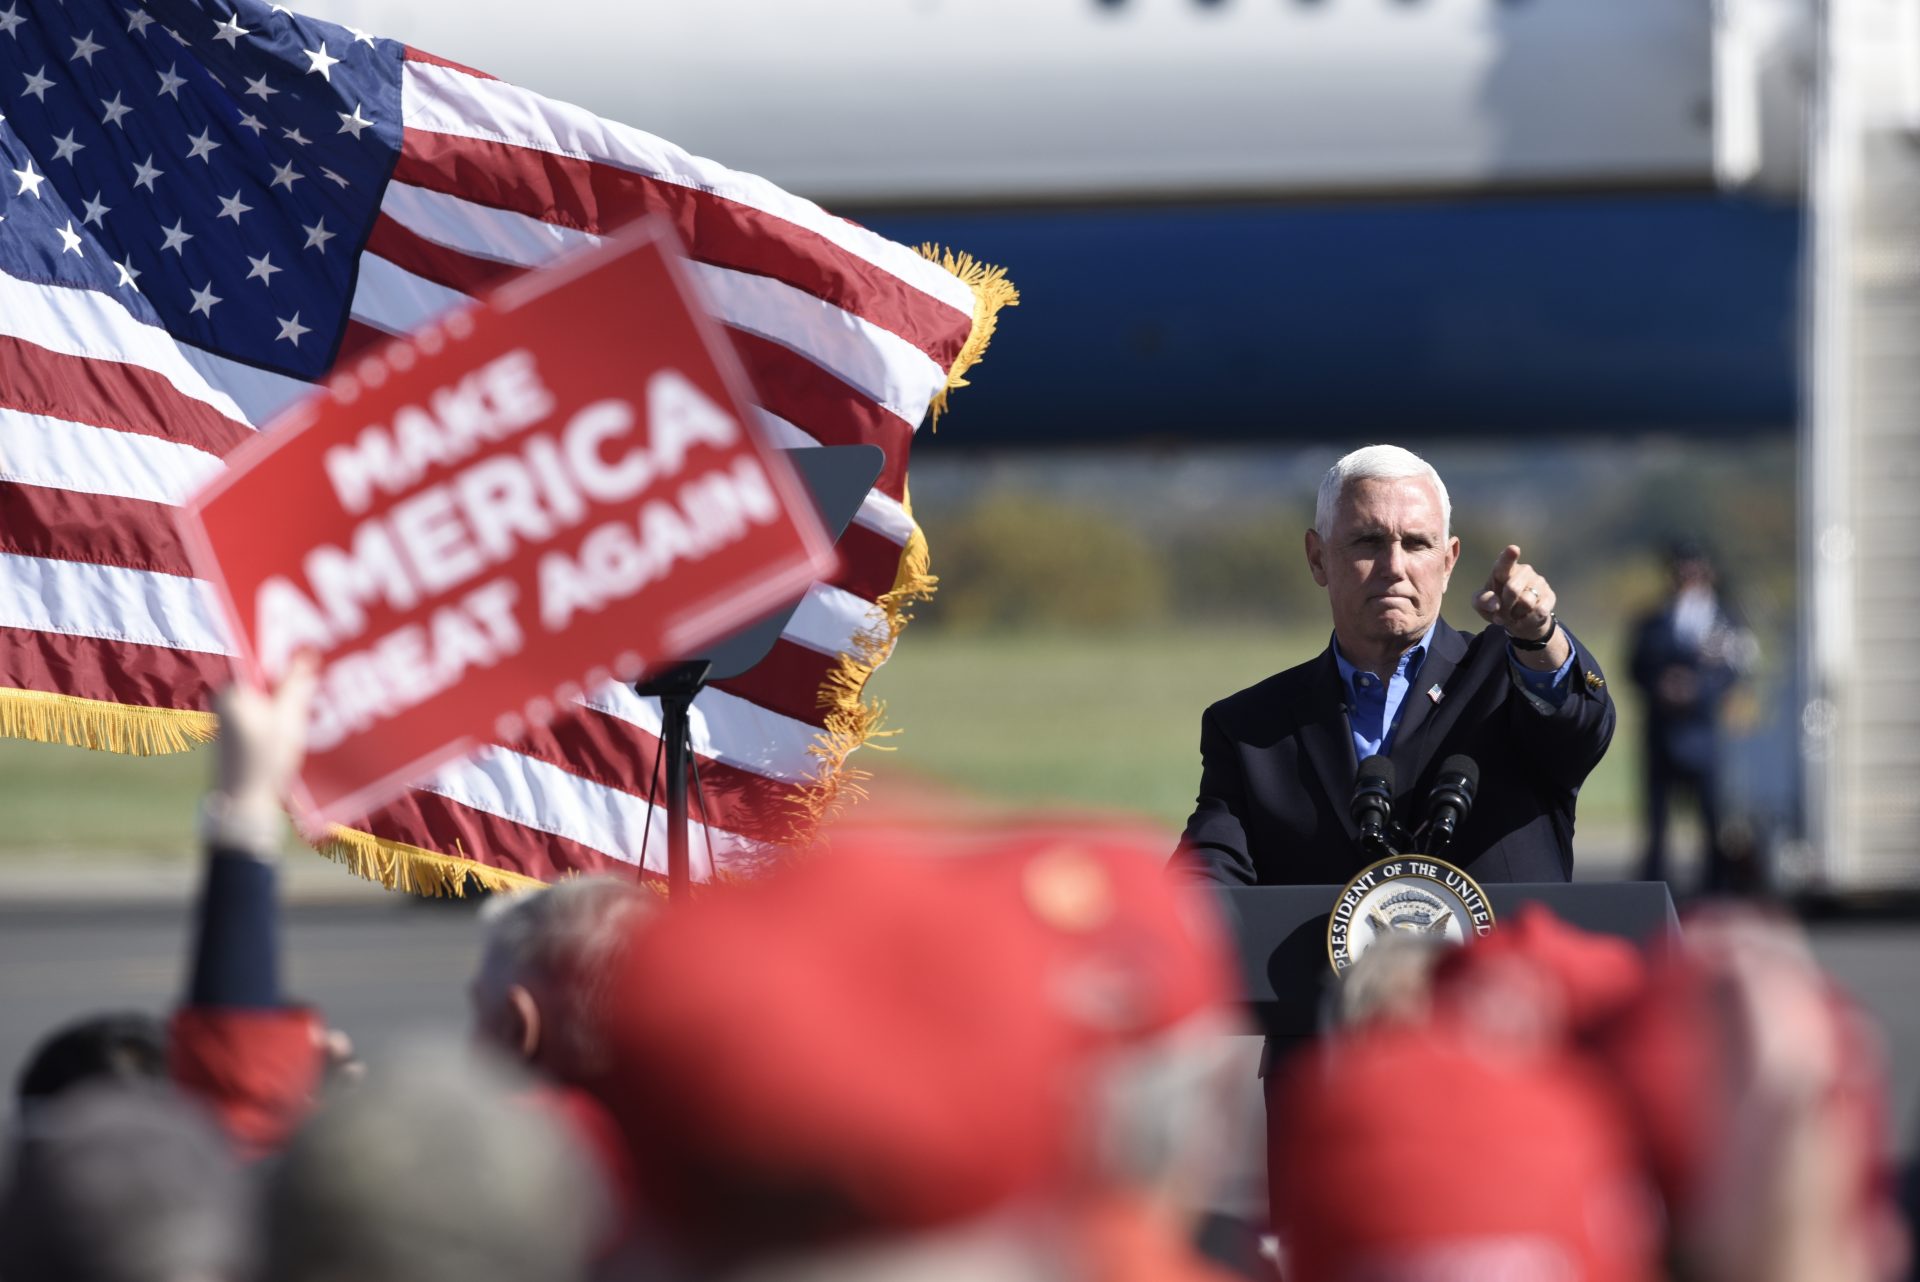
(991, 292)
(102, 726)
(399, 866)
(853, 720)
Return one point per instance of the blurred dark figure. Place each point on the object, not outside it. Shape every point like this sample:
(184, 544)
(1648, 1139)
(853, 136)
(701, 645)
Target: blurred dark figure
(122, 1046)
(118, 1183)
(434, 1172)
(1687, 656)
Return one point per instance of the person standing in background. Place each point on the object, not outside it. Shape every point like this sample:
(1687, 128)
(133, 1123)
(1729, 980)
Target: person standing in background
(1688, 654)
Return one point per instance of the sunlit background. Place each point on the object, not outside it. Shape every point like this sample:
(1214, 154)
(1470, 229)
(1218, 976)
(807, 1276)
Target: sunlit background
(1625, 272)
(1562, 249)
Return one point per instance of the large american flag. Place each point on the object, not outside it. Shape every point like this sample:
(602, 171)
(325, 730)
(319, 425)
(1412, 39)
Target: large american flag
(208, 206)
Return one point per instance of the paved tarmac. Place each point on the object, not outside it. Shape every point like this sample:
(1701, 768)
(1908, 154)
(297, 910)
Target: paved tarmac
(385, 970)
(388, 969)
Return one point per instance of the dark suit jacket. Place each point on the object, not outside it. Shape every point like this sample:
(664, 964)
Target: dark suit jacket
(1277, 768)
(1687, 737)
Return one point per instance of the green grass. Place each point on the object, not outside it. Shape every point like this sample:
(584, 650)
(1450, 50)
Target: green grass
(1103, 719)
(56, 799)
(1109, 720)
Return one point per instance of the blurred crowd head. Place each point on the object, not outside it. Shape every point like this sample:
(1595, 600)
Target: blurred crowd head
(434, 1171)
(1689, 563)
(544, 958)
(117, 1180)
(1005, 1064)
(120, 1046)
(1547, 1103)
(872, 1048)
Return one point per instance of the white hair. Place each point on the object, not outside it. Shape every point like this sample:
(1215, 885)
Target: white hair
(1376, 463)
(559, 941)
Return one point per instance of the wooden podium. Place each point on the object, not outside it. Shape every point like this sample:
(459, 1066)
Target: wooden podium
(1281, 934)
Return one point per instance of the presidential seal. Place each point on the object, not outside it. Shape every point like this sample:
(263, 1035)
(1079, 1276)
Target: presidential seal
(1412, 894)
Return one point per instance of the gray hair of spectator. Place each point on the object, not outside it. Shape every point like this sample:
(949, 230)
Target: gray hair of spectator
(1376, 463)
(1166, 1110)
(559, 941)
(432, 1172)
(124, 1182)
(1391, 982)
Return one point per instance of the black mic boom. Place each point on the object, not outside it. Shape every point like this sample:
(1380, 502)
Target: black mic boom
(1451, 801)
(1372, 804)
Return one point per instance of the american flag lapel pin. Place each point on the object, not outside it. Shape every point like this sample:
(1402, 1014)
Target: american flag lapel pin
(1433, 692)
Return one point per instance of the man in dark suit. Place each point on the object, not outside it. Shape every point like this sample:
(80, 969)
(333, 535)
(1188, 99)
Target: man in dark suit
(1687, 657)
(1523, 698)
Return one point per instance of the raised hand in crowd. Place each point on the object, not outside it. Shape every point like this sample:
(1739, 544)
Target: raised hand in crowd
(263, 740)
(236, 1043)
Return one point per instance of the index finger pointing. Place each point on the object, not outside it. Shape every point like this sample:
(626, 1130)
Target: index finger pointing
(1503, 567)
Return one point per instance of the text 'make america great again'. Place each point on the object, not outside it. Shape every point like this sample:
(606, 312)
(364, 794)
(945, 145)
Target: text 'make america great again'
(541, 493)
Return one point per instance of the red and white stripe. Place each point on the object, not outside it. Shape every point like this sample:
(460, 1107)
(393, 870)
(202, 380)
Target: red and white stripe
(106, 423)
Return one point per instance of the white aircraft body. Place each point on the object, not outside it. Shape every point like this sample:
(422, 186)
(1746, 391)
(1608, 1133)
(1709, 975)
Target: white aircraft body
(931, 102)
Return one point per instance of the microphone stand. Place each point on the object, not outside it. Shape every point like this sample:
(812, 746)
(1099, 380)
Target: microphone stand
(1380, 845)
(676, 687)
(838, 478)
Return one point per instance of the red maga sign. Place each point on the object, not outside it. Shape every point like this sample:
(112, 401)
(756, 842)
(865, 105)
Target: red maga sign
(548, 489)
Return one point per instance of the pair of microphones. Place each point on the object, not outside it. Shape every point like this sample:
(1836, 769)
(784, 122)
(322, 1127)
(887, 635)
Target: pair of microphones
(1448, 806)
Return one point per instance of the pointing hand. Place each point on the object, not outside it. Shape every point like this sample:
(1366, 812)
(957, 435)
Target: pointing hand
(1517, 598)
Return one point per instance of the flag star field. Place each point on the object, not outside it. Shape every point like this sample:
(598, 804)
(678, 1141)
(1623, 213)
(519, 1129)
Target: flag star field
(214, 169)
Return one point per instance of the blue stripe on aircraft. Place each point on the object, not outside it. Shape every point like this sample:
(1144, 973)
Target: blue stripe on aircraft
(1572, 314)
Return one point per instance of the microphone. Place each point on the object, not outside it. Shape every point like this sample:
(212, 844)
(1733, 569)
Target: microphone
(1450, 801)
(1372, 804)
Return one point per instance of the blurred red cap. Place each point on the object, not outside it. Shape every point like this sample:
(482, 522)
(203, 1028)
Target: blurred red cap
(1736, 1034)
(1671, 1055)
(1133, 954)
(1412, 1153)
(1588, 977)
(852, 1046)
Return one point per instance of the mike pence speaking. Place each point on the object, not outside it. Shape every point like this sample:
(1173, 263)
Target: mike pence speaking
(1522, 698)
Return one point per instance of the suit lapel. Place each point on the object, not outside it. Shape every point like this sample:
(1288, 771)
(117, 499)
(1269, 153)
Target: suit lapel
(1444, 654)
(1327, 739)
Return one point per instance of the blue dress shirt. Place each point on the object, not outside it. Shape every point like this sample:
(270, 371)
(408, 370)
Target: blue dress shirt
(1373, 705)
